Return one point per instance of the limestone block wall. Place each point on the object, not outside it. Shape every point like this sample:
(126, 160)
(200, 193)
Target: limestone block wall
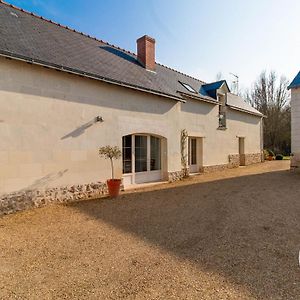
(50, 137)
(202, 121)
(295, 124)
(48, 129)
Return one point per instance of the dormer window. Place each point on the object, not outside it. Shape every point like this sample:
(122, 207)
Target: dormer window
(188, 87)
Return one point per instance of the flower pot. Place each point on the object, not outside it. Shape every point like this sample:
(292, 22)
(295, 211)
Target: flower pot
(270, 158)
(113, 187)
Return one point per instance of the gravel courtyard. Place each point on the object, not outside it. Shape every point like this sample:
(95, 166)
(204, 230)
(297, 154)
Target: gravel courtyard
(234, 234)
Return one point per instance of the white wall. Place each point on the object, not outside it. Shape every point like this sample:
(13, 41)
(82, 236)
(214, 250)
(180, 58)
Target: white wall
(295, 115)
(48, 137)
(201, 119)
(47, 133)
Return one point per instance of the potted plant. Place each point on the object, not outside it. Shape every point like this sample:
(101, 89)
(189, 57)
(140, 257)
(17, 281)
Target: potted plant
(271, 155)
(112, 152)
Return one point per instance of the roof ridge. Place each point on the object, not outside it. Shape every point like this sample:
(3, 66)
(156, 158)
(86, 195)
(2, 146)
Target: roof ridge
(179, 72)
(91, 37)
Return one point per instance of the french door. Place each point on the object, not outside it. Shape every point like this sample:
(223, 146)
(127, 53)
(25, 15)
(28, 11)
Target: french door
(142, 158)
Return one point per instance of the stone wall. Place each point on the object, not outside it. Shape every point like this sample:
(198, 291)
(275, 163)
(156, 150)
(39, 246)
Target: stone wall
(234, 160)
(211, 169)
(251, 158)
(178, 175)
(22, 200)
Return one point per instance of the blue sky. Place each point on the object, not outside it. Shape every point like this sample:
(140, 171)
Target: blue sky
(200, 38)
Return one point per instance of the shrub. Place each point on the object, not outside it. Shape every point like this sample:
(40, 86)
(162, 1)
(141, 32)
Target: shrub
(279, 157)
(110, 152)
(266, 154)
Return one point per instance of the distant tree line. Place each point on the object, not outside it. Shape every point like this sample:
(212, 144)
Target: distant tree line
(270, 96)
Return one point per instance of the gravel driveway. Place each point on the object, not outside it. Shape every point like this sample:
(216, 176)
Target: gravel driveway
(234, 234)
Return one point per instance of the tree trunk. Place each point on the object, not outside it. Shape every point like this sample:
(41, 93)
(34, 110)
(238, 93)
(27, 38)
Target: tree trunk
(112, 168)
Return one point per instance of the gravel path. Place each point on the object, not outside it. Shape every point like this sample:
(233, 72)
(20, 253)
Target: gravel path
(234, 234)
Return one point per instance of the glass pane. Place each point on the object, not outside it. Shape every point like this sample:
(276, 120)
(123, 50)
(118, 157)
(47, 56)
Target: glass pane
(189, 149)
(155, 153)
(127, 141)
(194, 152)
(127, 154)
(140, 153)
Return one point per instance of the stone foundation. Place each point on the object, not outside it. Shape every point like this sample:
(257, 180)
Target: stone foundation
(22, 200)
(178, 175)
(251, 158)
(215, 168)
(234, 160)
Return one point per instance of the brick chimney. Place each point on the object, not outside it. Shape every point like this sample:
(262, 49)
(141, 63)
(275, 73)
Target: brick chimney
(146, 52)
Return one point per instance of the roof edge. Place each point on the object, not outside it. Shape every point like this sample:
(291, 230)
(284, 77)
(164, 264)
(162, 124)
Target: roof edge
(295, 86)
(295, 82)
(247, 111)
(85, 74)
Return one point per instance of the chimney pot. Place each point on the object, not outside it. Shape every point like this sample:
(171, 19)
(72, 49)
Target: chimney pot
(146, 52)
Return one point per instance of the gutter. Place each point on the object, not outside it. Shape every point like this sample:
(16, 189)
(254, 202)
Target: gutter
(69, 70)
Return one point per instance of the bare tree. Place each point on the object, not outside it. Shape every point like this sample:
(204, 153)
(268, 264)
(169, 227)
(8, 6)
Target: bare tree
(219, 76)
(270, 96)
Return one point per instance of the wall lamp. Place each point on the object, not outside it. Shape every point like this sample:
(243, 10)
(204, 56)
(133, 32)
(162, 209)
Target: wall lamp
(99, 119)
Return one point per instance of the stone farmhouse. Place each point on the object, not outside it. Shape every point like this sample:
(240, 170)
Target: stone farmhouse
(63, 94)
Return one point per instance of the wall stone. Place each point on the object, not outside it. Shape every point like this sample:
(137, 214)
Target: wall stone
(251, 158)
(215, 168)
(22, 200)
(234, 160)
(178, 175)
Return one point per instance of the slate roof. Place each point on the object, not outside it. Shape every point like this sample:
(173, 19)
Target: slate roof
(295, 83)
(26, 36)
(236, 102)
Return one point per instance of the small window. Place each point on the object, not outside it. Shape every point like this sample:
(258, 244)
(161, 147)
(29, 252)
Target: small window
(188, 87)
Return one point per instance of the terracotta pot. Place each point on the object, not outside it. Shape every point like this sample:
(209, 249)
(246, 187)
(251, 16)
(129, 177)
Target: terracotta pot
(113, 187)
(270, 158)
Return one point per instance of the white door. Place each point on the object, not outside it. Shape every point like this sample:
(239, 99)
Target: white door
(192, 155)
